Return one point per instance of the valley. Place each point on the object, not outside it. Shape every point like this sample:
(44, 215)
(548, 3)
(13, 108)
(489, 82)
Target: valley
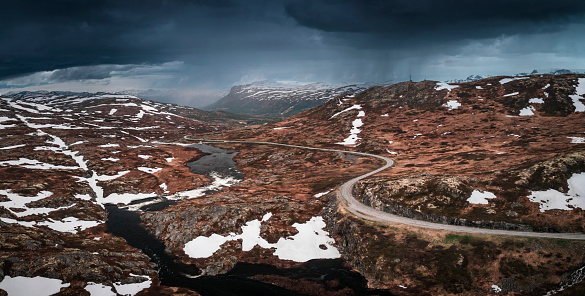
(329, 201)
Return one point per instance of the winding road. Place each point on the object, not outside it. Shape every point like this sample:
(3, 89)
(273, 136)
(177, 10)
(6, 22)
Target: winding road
(368, 213)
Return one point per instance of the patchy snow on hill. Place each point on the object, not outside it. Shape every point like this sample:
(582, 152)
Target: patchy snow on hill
(506, 80)
(38, 286)
(580, 90)
(111, 159)
(357, 107)
(452, 104)
(133, 288)
(96, 289)
(311, 242)
(447, 86)
(480, 197)
(528, 111)
(552, 199)
(577, 140)
(512, 94)
(109, 145)
(353, 136)
(322, 194)
(69, 224)
(35, 164)
(536, 101)
(149, 170)
(218, 182)
(12, 147)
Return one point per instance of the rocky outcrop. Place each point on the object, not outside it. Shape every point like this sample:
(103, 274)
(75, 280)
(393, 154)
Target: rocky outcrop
(552, 173)
(99, 258)
(410, 262)
(389, 207)
(224, 214)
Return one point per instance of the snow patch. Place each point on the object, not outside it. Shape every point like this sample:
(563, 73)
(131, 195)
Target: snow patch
(96, 289)
(528, 111)
(133, 288)
(392, 152)
(311, 242)
(123, 198)
(353, 134)
(480, 197)
(553, 199)
(357, 107)
(109, 145)
(322, 194)
(452, 104)
(577, 140)
(110, 159)
(443, 85)
(38, 286)
(577, 97)
(496, 289)
(506, 80)
(35, 164)
(12, 147)
(512, 94)
(217, 183)
(536, 101)
(69, 224)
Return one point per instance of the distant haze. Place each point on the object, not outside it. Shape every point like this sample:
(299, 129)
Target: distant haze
(192, 52)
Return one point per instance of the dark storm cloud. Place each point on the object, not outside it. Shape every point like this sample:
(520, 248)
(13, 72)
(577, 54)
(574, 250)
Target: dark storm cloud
(81, 73)
(230, 41)
(45, 35)
(436, 20)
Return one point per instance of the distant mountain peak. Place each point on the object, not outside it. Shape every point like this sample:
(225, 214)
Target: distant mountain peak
(282, 98)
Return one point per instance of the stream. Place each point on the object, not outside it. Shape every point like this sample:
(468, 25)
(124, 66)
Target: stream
(240, 280)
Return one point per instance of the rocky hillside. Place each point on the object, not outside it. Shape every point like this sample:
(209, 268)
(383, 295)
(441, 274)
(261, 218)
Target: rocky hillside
(76, 169)
(279, 99)
(452, 141)
(66, 155)
(503, 152)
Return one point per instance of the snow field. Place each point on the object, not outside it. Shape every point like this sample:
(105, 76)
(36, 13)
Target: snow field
(217, 183)
(303, 246)
(552, 199)
(38, 286)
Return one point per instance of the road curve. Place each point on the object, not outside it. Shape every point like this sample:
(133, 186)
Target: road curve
(368, 213)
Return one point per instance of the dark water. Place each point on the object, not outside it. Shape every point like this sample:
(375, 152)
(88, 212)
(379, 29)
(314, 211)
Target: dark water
(240, 280)
(216, 161)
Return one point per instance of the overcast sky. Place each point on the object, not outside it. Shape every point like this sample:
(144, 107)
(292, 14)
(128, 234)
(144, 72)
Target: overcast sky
(207, 46)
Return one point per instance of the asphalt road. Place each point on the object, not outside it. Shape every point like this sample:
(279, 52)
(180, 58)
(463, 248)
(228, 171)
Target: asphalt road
(368, 213)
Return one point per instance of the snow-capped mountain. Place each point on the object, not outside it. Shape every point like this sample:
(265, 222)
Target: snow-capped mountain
(280, 98)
